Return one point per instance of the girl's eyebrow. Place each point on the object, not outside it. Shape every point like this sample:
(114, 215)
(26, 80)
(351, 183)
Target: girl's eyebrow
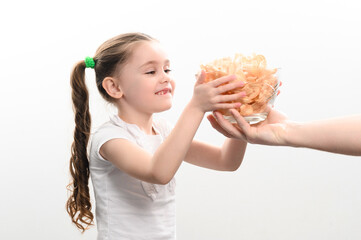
(153, 62)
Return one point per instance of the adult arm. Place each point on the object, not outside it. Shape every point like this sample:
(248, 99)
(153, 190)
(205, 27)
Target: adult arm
(338, 135)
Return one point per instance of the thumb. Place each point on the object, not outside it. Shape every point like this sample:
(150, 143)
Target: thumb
(201, 77)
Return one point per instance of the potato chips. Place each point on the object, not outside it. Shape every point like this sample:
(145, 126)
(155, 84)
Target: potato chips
(261, 83)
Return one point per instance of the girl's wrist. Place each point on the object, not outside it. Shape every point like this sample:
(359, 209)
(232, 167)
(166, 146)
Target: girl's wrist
(236, 140)
(194, 111)
(194, 107)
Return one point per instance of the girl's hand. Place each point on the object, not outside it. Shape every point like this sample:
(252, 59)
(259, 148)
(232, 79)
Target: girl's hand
(269, 132)
(209, 96)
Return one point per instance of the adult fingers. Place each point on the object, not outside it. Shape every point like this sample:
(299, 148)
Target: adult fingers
(216, 126)
(241, 122)
(228, 127)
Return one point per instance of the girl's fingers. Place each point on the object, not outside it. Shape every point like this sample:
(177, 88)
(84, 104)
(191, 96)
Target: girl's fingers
(229, 86)
(227, 105)
(200, 77)
(230, 97)
(222, 80)
(216, 126)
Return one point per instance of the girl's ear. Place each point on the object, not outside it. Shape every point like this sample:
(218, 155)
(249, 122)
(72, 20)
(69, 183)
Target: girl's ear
(112, 87)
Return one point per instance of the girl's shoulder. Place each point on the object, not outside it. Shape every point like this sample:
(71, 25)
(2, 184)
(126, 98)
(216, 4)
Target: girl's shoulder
(105, 132)
(111, 129)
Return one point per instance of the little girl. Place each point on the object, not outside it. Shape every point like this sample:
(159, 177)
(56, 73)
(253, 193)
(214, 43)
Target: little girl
(133, 157)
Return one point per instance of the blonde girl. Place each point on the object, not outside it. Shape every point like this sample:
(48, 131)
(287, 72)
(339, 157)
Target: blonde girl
(134, 156)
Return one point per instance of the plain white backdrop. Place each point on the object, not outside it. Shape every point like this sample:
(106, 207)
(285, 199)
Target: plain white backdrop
(278, 192)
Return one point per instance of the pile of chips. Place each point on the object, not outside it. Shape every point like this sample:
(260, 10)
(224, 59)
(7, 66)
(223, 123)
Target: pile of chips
(261, 83)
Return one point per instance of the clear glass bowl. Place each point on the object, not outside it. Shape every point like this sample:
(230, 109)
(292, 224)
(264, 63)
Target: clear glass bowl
(256, 110)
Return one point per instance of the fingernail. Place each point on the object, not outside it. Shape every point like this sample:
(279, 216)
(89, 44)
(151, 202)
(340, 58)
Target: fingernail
(215, 114)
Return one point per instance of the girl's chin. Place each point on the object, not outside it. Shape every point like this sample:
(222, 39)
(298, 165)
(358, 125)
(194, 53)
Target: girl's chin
(164, 108)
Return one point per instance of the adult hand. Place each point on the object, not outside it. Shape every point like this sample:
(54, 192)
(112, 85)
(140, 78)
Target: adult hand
(269, 132)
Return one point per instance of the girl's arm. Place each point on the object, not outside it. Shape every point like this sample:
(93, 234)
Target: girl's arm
(339, 135)
(227, 158)
(162, 166)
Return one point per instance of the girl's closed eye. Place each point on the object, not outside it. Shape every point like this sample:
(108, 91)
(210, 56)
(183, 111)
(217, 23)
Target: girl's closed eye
(150, 72)
(153, 71)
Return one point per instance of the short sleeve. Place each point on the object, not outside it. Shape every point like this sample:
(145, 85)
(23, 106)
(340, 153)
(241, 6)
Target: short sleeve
(105, 133)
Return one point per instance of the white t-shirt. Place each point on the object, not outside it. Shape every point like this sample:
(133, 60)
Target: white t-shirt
(128, 208)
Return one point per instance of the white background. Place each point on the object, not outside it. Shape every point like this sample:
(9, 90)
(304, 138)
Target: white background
(277, 193)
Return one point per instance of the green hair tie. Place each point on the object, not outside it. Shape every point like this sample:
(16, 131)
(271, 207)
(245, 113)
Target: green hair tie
(89, 62)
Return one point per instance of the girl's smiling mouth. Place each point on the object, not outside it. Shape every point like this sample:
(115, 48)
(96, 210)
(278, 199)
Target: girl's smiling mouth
(164, 91)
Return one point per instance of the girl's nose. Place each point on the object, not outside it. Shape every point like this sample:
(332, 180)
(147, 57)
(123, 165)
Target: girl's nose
(165, 78)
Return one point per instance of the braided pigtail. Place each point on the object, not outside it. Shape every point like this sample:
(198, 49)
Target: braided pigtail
(78, 205)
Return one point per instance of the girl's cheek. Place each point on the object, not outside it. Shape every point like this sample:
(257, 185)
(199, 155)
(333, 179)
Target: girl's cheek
(173, 85)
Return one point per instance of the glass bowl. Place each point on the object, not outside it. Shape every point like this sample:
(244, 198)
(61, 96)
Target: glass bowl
(261, 84)
(260, 98)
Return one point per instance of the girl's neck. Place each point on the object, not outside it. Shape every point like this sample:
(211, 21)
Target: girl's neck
(143, 121)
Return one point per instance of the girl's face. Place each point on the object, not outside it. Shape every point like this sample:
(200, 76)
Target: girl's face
(145, 79)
